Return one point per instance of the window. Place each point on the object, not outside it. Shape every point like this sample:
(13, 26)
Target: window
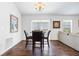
(67, 26)
(40, 25)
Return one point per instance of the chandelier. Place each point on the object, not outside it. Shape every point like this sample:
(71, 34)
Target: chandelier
(39, 6)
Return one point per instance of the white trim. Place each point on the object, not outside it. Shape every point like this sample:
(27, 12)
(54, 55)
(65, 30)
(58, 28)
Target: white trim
(9, 48)
(40, 20)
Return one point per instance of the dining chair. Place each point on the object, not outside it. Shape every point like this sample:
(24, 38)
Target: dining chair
(27, 38)
(47, 37)
(37, 37)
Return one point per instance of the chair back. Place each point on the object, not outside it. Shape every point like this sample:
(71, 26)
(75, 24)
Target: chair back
(25, 34)
(37, 35)
(48, 33)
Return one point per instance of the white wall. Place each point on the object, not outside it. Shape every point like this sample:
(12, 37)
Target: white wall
(7, 39)
(26, 23)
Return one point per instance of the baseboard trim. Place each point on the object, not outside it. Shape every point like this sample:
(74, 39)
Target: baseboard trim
(9, 48)
(68, 46)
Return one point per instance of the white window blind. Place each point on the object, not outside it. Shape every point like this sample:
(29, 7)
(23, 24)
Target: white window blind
(40, 24)
(67, 26)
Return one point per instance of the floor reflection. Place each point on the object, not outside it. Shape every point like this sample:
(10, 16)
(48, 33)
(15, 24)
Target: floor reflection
(56, 49)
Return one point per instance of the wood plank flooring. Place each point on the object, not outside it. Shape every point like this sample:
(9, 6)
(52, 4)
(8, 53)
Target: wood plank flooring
(56, 49)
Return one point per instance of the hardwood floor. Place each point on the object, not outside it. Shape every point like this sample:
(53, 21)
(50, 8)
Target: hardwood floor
(56, 49)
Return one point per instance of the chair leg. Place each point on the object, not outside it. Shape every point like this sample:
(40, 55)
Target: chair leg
(48, 42)
(33, 46)
(26, 43)
(41, 46)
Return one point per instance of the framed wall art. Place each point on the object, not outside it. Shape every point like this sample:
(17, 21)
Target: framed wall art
(78, 23)
(56, 24)
(13, 24)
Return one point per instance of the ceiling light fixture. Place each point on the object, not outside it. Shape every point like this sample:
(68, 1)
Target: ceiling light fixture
(39, 6)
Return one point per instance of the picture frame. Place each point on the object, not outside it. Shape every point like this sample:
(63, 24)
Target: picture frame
(13, 24)
(56, 24)
(78, 23)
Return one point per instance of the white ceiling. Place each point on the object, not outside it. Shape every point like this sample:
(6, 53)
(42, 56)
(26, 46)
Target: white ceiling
(55, 8)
